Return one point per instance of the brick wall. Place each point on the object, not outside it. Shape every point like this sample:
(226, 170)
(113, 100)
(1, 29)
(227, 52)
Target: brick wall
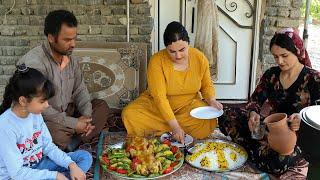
(99, 20)
(278, 14)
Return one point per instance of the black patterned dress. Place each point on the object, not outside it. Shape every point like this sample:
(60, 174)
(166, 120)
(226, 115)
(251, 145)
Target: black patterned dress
(302, 93)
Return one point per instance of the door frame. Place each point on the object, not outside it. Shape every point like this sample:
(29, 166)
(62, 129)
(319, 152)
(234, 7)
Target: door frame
(255, 46)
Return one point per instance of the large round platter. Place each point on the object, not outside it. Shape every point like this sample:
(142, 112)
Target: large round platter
(122, 176)
(307, 119)
(212, 155)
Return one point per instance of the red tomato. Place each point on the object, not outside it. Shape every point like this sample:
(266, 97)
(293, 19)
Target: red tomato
(167, 142)
(174, 149)
(112, 168)
(178, 156)
(105, 160)
(173, 164)
(136, 160)
(128, 148)
(121, 171)
(168, 170)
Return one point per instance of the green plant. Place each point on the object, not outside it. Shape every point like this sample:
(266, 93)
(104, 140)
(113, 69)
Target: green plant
(314, 9)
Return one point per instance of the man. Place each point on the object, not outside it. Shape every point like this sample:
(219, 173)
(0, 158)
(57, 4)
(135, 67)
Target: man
(71, 116)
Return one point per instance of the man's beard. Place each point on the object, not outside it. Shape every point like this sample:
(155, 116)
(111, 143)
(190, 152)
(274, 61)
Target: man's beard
(63, 53)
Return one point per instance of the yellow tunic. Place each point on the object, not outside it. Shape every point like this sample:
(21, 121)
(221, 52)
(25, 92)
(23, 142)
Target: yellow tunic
(172, 94)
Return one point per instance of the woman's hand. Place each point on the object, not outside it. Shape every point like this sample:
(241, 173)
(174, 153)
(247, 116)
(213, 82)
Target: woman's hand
(294, 120)
(177, 131)
(214, 103)
(60, 176)
(76, 173)
(254, 119)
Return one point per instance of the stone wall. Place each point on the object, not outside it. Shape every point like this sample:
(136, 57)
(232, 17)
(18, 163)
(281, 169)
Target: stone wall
(278, 14)
(99, 20)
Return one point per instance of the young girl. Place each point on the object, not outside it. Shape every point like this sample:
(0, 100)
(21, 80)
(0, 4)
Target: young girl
(27, 150)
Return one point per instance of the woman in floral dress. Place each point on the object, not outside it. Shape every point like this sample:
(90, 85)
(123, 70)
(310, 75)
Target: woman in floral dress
(286, 88)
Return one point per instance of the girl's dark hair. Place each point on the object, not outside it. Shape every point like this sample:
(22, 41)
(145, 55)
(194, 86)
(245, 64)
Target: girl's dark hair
(27, 82)
(175, 32)
(55, 19)
(284, 41)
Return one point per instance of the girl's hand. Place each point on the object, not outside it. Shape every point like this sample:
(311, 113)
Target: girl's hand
(215, 104)
(76, 173)
(294, 120)
(177, 131)
(60, 176)
(254, 119)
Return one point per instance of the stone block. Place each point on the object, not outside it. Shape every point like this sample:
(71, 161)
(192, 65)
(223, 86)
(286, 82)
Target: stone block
(109, 2)
(283, 12)
(297, 3)
(83, 29)
(23, 20)
(8, 51)
(140, 38)
(4, 41)
(21, 42)
(282, 22)
(123, 21)
(8, 60)
(121, 2)
(7, 30)
(144, 9)
(120, 30)
(281, 3)
(94, 29)
(145, 30)
(134, 10)
(91, 2)
(295, 13)
(118, 38)
(19, 31)
(134, 30)
(112, 20)
(26, 11)
(105, 11)
(37, 20)
(20, 51)
(139, 20)
(107, 30)
(8, 69)
(40, 10)
(10, 20)
(119, 10)
(4, 79)
(79, 10)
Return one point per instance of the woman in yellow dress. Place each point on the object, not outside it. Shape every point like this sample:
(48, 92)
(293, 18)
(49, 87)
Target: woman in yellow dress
(178, 77)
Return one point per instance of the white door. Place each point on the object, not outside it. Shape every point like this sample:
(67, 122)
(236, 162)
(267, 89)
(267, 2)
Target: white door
(236, 46)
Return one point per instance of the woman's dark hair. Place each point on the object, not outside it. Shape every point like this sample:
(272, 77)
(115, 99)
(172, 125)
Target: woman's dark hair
(55, 19)
(284, 41)
(175, 32)
(27, 82)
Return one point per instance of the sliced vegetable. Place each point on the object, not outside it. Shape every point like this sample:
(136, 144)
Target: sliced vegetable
(122, 171)
(168, 170)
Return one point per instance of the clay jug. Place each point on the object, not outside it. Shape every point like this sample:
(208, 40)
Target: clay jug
(280, 137)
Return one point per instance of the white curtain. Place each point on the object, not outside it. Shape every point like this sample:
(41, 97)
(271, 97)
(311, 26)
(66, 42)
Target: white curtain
(207, 33)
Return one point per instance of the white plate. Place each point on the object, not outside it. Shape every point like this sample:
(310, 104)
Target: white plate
(187, 140)
(206, 112)
(307, 119)
(313, 113)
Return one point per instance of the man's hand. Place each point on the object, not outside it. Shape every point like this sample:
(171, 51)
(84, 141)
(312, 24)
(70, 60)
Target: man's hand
(294, 120)
(60, 176)
(254, 119)
(84, 125)
(76, 173)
